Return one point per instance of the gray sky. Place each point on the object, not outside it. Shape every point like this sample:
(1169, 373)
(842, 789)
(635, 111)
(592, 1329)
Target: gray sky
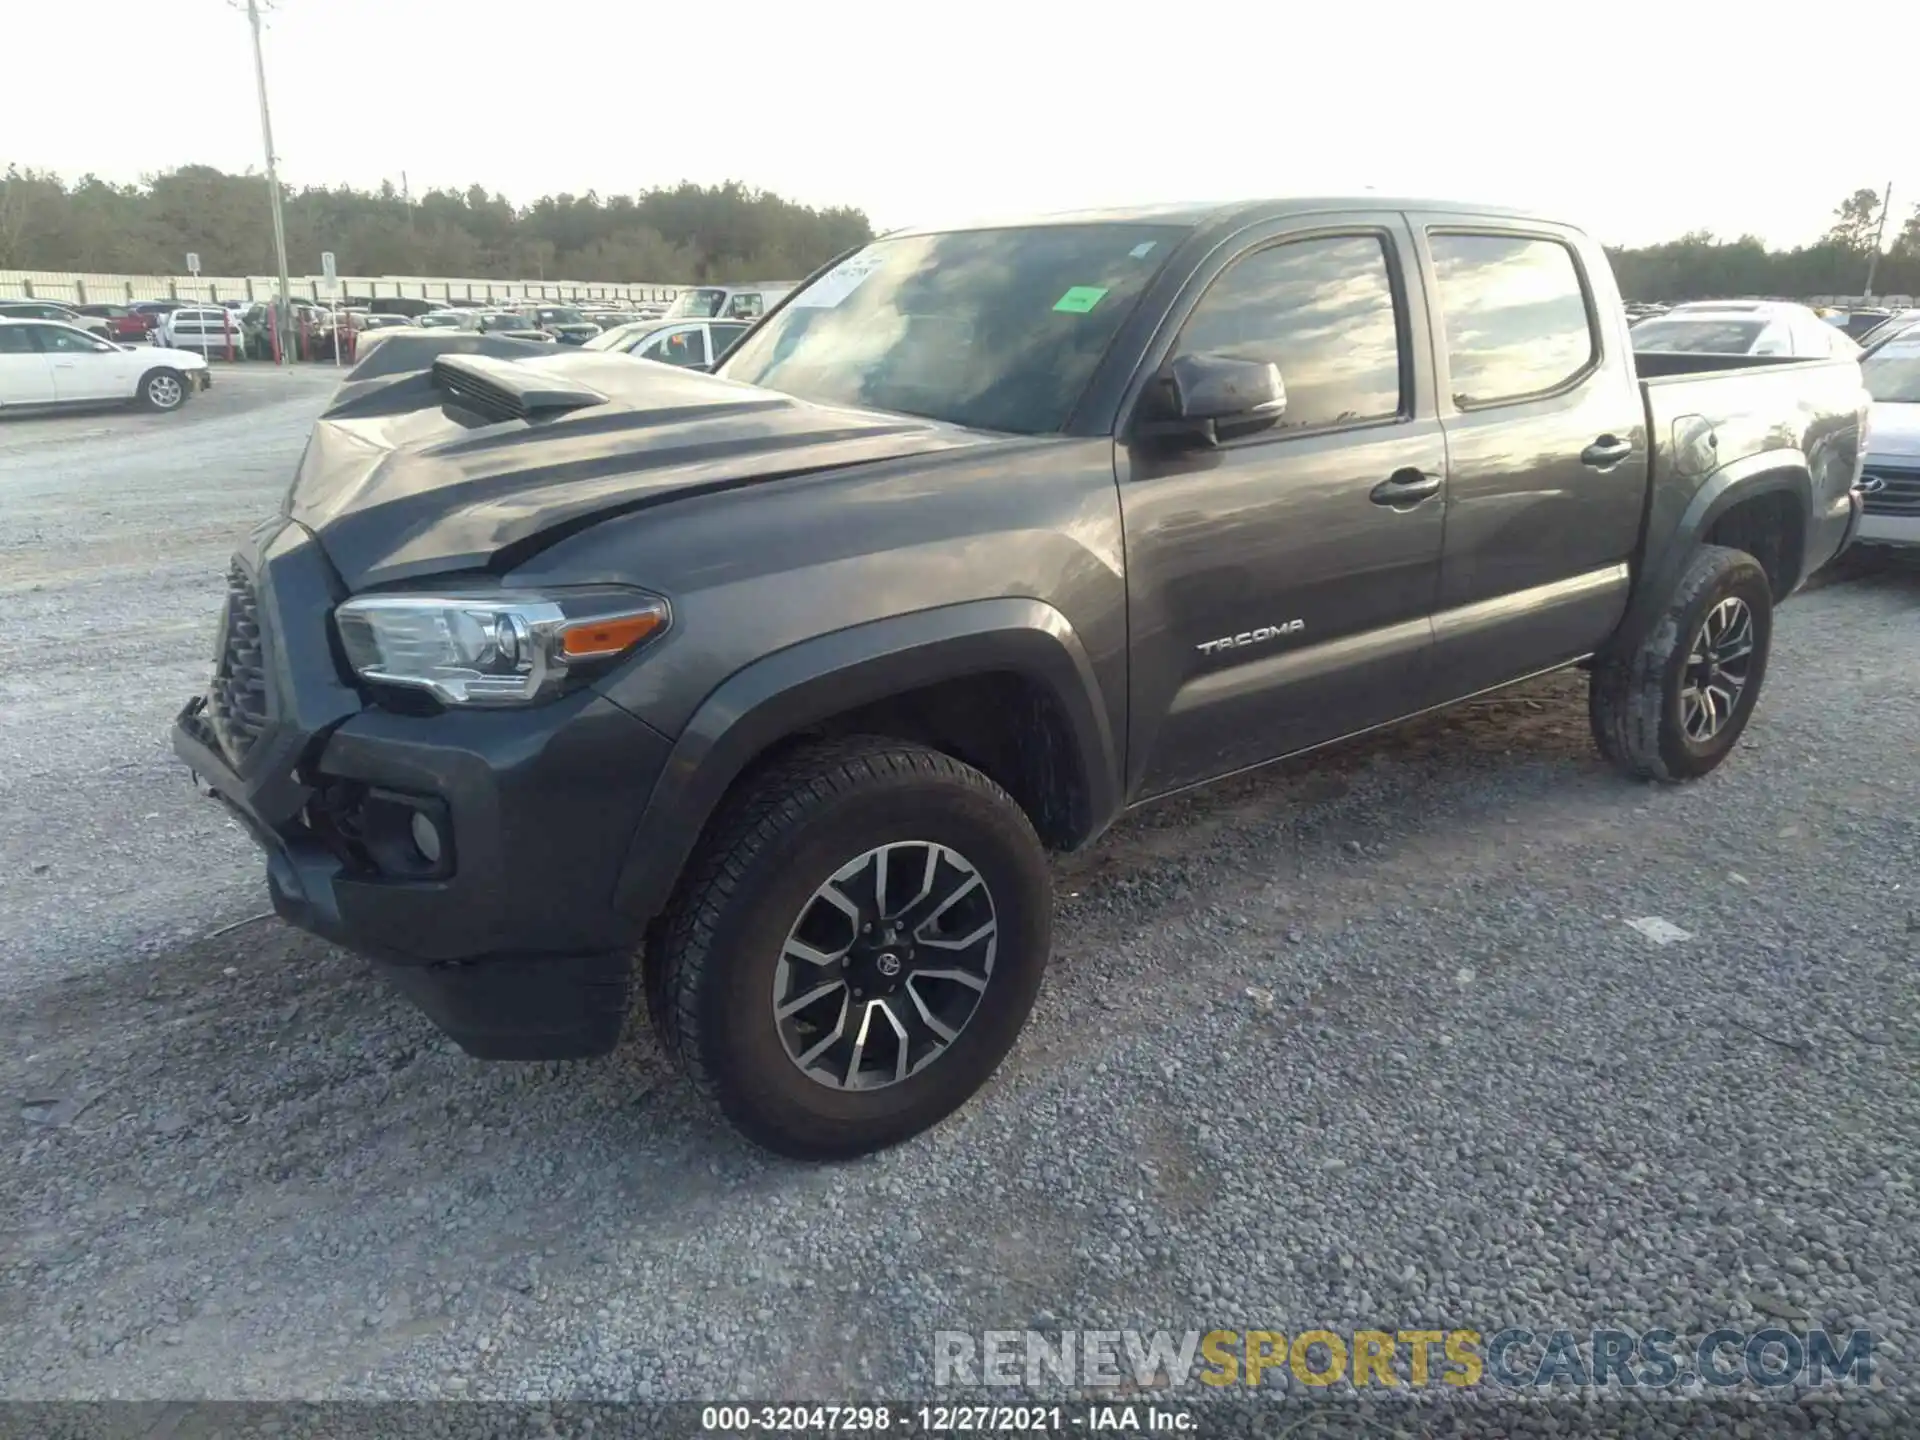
(1639, 118)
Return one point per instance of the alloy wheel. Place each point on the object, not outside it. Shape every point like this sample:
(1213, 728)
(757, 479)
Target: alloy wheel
(886, 964)
(1719, 664)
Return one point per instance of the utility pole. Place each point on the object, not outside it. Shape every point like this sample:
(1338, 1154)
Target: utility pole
(1879, 232)
(283, 305)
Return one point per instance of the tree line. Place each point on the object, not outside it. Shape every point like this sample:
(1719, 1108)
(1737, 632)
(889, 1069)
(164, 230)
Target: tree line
(688, 233)
(699, 233)
(1702, 266)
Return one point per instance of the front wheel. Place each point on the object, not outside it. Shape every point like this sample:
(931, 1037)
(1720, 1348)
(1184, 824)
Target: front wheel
(854, 948)
(1673, 708)
(162, 390)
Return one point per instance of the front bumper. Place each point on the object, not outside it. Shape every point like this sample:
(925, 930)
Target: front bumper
(511, 941)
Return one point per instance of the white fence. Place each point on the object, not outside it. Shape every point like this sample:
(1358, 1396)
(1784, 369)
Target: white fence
(74, 288)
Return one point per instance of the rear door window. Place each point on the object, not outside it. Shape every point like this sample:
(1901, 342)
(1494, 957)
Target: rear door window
(1518, 325)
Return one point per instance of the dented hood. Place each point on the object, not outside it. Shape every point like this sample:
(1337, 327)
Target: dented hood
(476, 464)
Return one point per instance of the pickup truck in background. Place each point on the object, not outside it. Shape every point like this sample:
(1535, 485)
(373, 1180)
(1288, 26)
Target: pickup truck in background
(788, 677)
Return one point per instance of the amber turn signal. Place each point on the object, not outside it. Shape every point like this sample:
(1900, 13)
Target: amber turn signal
(596, 639)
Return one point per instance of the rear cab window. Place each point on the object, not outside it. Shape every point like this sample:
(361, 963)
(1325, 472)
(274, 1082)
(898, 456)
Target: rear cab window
(1519, 322)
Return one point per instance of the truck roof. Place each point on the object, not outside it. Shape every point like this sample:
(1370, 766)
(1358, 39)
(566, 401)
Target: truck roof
(1195, 214)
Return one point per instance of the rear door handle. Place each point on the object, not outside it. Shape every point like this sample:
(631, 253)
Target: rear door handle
(1607, 450)
(1405, 487)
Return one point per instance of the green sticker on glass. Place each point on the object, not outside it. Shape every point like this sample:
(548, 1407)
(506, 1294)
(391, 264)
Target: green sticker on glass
(1080, 299)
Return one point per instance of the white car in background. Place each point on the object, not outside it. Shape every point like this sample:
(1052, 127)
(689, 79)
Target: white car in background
(206, 329)
(1890, 475)
(1742, 327)
(44, 364)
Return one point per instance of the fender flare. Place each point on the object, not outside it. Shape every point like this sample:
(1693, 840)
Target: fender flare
(1783, 471)
(829, 674)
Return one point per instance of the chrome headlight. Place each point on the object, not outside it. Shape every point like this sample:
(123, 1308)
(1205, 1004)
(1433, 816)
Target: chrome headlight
(496, 648)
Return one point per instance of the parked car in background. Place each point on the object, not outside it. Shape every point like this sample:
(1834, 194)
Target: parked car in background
(984, 539)
(211, 330)
(46, 364)
(691, 344)
(1743, 327)
(1893, 325)
(514, 324)
(508, 324)
(1858, 323)
(725, 302)
(60, 314)
(123, 324)
(1890, 479)
(566, 324)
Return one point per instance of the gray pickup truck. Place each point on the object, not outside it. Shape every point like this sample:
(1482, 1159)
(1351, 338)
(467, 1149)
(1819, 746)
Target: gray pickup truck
(786, 679)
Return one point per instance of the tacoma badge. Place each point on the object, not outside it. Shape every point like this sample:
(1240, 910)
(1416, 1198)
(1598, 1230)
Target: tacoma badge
(1251, 637)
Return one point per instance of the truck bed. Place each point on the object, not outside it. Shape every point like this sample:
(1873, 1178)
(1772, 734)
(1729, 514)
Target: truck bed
(1716, 420)
(1677, 364)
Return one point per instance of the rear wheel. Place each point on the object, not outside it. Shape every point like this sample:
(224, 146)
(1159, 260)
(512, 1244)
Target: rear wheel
(1673, 708)
(162, 390)
(854, 948)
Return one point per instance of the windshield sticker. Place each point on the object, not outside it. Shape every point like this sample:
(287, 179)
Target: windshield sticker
(1080, 299)
(1143, 249)
(838, 283)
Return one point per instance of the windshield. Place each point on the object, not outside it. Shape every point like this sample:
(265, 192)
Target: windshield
(699, 304)
(994, 329)
(1892, 372)
(563, 317)
(504, 322)
(436, 321)
(1698, 337)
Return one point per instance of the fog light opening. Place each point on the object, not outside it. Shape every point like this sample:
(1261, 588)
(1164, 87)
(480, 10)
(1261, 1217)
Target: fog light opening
(426, 837)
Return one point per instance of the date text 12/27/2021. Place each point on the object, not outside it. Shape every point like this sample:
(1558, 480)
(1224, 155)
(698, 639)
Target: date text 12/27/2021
(944, 1419)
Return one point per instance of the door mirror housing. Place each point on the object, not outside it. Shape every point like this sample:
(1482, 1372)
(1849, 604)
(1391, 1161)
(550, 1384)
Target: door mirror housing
(1207, 398)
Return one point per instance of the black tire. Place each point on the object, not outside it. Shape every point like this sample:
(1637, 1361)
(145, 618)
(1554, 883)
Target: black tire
(1635, 699)
(162, 389)
(711, 971)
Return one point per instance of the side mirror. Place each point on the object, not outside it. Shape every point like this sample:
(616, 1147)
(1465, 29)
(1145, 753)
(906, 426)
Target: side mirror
(1208, 398)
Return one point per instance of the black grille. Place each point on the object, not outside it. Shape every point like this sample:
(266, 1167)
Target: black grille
(1898, 491)
(237, 700)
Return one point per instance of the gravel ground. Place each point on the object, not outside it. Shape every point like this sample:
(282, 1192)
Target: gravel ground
(1366, 1042)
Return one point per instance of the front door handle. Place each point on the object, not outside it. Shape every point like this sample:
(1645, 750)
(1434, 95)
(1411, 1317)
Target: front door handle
(1405, 487)
(1607, 450)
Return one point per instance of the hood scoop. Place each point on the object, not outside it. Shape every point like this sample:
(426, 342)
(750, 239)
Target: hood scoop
(498, 390)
